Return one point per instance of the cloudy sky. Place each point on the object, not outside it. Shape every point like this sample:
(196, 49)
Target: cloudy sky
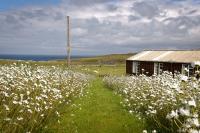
(98, 26)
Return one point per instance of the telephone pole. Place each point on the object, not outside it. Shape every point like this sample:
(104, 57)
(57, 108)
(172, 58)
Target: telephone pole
(68, 42)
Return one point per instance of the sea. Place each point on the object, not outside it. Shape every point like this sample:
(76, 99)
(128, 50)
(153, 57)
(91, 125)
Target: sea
(39, 57)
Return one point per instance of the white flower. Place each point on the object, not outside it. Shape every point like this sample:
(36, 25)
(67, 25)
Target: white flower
(193, 131)
(195, 115)
(194, 122)
(130, 111)
(6, 94)
(154, 131)
(15, 102)
(173, 114)
(7, 119)
(28, 92)
(57, 113)
(144, 131)
(7, 108)
(95, 71)
(153, 112)
(192, 103)
(29, 110)
(184, 112)
(186, 69)
(19, 118)
(184, 78)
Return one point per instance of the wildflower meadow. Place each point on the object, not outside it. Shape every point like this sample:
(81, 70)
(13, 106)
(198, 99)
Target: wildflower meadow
(166, 102)
(31, 95)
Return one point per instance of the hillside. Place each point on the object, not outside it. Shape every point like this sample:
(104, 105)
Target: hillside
(104, 59)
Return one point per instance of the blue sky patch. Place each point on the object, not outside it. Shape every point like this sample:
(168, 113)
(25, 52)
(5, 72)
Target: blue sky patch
(12, 4)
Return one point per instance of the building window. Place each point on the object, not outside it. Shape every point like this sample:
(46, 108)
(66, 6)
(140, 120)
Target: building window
(158, 68)
(135, 67)
(187, 69)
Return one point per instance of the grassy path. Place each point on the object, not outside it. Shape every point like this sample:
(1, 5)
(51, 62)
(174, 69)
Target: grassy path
(98, 112)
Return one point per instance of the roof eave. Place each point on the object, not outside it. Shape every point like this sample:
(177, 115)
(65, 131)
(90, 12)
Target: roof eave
(159, 61)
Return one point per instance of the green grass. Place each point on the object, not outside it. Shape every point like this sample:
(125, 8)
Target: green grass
(99, 111)
(101, 70)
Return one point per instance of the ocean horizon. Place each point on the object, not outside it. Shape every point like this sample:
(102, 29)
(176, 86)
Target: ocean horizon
(39, 57)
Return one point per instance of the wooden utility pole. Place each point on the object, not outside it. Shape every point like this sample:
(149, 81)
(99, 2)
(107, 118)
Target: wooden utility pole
(68, 42)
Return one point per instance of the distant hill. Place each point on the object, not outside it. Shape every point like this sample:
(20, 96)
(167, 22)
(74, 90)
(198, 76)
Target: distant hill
(104, 59)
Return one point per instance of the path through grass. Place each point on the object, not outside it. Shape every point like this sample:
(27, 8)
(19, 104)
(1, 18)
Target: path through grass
(98, 112)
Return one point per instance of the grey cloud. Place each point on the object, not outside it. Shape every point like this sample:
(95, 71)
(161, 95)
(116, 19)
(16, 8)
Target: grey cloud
(9, 22)
(10, 19)
(192, 12)
(43, 29)
(39, 14)
(146, 9)
(177, 0)
(133, 18)
(174, 26)
(111, 7)
(170, 45)
(58, 16)
(33, 13)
